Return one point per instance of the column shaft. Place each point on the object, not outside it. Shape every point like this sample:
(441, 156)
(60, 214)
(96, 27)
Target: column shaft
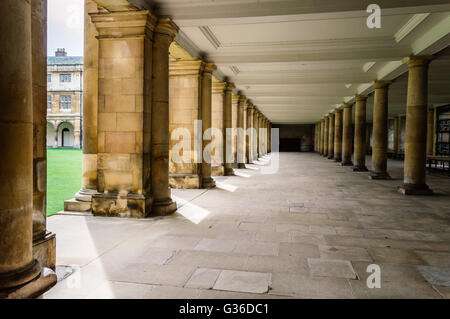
(227, 131)
(347, 136)
(338, 135)
(380, 131)
(90, 106)
(164, 34)
(360, 135)
(17, 265)
(416, 128)
(326, 135)
(255, 143)
(249, 133)
(241, 125)
(331, 136)
(206, 98)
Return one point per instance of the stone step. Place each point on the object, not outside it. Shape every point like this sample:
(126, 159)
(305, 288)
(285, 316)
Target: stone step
(74, 205)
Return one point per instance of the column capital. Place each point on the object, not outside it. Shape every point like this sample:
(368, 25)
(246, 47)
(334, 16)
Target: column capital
(338, 110)
(418, 60)
(346, 105)
(166, 26)
(230, 86)
(361, 97)
(124, 24)
(242, 98)
(381, 84)
(209, 67)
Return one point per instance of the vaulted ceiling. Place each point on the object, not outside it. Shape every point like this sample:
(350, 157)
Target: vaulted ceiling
(296, 60)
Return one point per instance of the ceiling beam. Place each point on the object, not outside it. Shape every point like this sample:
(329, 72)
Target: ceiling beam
(207, 12)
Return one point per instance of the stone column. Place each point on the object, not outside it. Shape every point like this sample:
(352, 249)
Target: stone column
(241, 125)
(261, 135)
(325, 136)
(44, 243)
(255, 134)
(267, 137)
(217, 123)
(414, 182)
(322, 130)
(90, 110)
(338, 135)
(249, 132)
(347, 136)
(163, 36)
(207, 180)
(396, 134)
(430, 132)
(234, 125)
(124, 114)
(270, 137)
(380, 131)
(360, 134)
(331, 136)
(17, 265)
(228, 140)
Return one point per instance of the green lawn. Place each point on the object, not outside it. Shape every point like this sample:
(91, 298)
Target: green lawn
(63, 177)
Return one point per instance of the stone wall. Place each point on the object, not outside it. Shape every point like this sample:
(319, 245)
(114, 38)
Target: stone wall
(305, 132)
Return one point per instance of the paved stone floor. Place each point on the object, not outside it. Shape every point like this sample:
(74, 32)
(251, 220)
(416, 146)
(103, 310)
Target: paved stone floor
(308, 231)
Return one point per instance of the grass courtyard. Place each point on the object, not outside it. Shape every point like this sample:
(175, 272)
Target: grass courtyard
(63, 177)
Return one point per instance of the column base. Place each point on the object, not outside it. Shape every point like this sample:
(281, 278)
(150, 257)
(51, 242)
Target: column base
(379, 175)
(44, 250)
(413, 189)
(229, 171)
(184, 181)
(45, 279)
(74, 205)
(85, 195)
(164, 208)
(82, 201)
(337, 159)
(360, 169)
(15, 279)
(330, 157)
(218, 170)
(346, 163)
(241, 165)
(117, 205)
(208, 183)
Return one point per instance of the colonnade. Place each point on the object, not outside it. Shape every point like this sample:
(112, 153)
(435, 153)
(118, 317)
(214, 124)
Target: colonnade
(336, 136)
(27, 249)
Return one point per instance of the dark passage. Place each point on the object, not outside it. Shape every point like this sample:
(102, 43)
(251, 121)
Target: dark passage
(290, 145)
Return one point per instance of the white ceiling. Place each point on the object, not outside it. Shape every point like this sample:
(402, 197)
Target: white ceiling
(297, 60)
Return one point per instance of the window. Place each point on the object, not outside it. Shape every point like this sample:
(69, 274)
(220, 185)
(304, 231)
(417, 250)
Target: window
(49, 78)
(65, 78)
(65, 102)
(49, 102)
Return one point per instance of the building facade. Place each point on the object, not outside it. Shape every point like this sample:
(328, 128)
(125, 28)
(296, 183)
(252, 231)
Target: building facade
(64, 100)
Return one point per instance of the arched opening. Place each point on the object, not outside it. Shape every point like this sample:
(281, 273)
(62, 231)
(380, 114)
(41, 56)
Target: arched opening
(66, 135)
